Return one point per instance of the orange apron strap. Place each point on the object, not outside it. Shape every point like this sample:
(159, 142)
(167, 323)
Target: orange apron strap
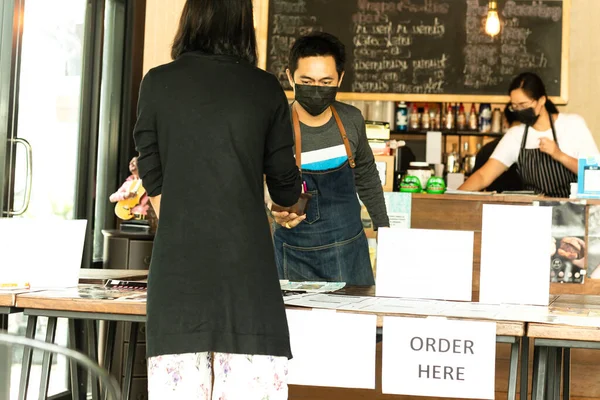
(338, 121)
(297, 138)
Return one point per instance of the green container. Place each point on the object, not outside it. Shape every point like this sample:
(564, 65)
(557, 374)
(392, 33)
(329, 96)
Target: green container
(410, 184)
(436, 185)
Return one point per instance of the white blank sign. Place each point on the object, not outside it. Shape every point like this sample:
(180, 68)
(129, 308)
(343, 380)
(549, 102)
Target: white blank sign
(45, 253)
(515, 253)
(425, 264)
(332, 349)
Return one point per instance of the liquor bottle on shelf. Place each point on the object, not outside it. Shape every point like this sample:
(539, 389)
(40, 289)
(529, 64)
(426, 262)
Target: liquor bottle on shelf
(485, 118)
(497, 121)
(449, 124)
(468, 160)
(426, 119)
(414, 123)
(461, 118)
(402, 117)
(453, 160)
(473, 118)
(437, 118)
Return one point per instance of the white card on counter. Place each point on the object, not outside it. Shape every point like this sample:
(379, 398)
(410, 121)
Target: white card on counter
(45, 253)
(398, 207)
(515, 251)
(454, 180)
(332, 349)
(433, 149)
(438, 358)
(426, 264)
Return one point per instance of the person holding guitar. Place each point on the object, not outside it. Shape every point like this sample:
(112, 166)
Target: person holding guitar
(131, 198)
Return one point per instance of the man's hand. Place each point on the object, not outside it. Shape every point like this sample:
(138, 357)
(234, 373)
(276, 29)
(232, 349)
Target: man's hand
(287, 220)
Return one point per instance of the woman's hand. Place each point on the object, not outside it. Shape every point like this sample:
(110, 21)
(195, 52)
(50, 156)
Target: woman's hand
(287, 220)
(550, 147)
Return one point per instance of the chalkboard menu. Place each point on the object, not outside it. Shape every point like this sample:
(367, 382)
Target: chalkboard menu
(426, 47)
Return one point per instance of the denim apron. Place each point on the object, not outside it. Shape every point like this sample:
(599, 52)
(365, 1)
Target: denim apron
(330, 244)
(541, 173)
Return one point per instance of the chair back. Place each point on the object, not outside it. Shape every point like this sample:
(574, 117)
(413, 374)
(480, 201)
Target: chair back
(106, 380)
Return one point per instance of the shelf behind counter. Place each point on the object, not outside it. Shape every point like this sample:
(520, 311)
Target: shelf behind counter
(464, 213)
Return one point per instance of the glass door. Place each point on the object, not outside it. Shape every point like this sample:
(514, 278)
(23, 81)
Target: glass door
(40, 118)
(49, 88)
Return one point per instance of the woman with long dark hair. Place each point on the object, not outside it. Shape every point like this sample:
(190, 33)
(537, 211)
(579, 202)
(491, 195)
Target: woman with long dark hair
(210, 125)
(545, 147)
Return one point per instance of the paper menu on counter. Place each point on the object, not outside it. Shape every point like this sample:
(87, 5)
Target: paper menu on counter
(464, 192)
(398, 207)
(515, 249)
(325, 301)
(332, 349)
(420, 263)
(471, 311)
(399, 306)
(311, 287)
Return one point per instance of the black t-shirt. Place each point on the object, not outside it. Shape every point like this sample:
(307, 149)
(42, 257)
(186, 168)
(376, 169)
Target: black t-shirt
(508, 181)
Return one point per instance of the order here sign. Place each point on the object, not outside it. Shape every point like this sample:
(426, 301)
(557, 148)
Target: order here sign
(439, 357)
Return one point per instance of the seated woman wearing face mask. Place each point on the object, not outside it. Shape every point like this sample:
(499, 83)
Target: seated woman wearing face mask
(545, 147)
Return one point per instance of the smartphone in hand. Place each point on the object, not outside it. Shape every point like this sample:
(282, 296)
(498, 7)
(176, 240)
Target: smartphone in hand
(299, 208)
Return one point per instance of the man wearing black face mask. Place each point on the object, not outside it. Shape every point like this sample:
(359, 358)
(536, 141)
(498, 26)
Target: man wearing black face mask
(332, 151)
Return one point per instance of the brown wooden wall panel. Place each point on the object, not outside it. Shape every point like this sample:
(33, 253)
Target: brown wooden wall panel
(450, 214)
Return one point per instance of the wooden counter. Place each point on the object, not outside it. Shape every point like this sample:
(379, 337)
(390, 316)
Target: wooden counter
(464, 212)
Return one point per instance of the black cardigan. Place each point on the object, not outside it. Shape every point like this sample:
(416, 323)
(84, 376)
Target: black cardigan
(208, 128)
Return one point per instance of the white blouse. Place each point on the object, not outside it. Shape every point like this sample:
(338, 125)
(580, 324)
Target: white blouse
(574, 139)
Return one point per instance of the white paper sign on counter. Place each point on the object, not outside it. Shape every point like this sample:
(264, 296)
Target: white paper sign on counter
(45, 253)
(515, 252)
(433, 148)
(439, 358)
(421, 263)
(398, 207)
(332, 349)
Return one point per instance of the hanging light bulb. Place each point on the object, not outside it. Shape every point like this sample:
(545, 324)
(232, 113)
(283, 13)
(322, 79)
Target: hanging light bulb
(492, 24)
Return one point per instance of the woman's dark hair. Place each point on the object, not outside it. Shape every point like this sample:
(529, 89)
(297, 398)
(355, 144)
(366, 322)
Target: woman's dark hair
(318, 44)
(221, 27)
(509, 115)
(534, 88)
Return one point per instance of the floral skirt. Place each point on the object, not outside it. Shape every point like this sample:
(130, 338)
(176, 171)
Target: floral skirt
(217, 376)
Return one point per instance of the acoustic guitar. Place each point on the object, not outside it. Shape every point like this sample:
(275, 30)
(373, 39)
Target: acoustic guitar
(123, 209)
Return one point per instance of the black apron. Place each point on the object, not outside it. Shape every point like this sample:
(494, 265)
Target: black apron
(541, 173)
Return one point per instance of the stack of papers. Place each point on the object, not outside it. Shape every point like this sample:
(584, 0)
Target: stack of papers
(311, 287)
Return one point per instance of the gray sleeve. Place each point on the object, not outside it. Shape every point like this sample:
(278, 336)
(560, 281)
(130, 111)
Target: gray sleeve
(368, 184)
